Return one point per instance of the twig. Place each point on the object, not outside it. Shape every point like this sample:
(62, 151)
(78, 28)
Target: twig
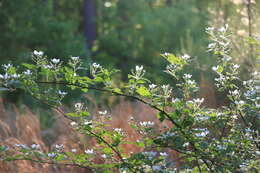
(140, 100)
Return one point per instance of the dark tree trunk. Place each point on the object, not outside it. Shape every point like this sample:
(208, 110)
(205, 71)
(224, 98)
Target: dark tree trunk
(169, 2)
(90, 29)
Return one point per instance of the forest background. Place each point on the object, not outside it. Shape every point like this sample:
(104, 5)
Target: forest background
(117, 34)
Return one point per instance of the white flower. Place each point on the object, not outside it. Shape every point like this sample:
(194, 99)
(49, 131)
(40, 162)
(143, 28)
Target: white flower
(73, 123)
(131, 118)
(7, 66)
(21, 146)
(175, 100)
(59, 147)
(236, 66)
(138, 73)
(185, 56)
(191, 82)
(89, 151)
(104, 156)
(167, 134)
(78, 106)
(255, 73)
(35, 146)
(146, 123)
(107, 4)
(75, 58)
(37, 53)
(211, 45)
(62, 93)
(27, 72)
(51, 155)
(15, 75)
(215, 68)
(152, 86)
(95, 65)
(165, 86)
(166, 54)
(202, 132)
(187, 76)
(210, 28)
(55, 61)
(234, 93)
(185, 144)
(198, 101)
(163, 154)
(119, 130)
(241, 102)
(87, 122)
(103, 112)
(48, 66)
(222, 29)
(156, 167)
(139, 68)
(73, 150)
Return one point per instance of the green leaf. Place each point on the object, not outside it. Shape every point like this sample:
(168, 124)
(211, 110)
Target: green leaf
(220, 69)
(174, 59)
(161, 116)
(108, 151)
(98, 79)
(8, 159)
(188, 121)
(29, 66)
(143, 91)
(117, 90)
(60, 157)
(84, 114)
(73, 115)
(3, 148)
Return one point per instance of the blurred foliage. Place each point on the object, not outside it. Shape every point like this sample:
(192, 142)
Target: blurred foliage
(51, 26)
(138, 31)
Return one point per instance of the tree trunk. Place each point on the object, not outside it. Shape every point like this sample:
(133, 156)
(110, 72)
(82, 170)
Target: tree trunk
(90, 29)
(169, 2)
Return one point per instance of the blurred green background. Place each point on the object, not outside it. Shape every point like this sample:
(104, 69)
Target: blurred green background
(124, 33)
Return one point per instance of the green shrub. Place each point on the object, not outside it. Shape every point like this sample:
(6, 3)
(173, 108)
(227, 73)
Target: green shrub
(208, 140)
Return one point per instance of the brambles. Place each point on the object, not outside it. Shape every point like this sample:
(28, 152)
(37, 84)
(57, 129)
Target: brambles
(208, 140)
